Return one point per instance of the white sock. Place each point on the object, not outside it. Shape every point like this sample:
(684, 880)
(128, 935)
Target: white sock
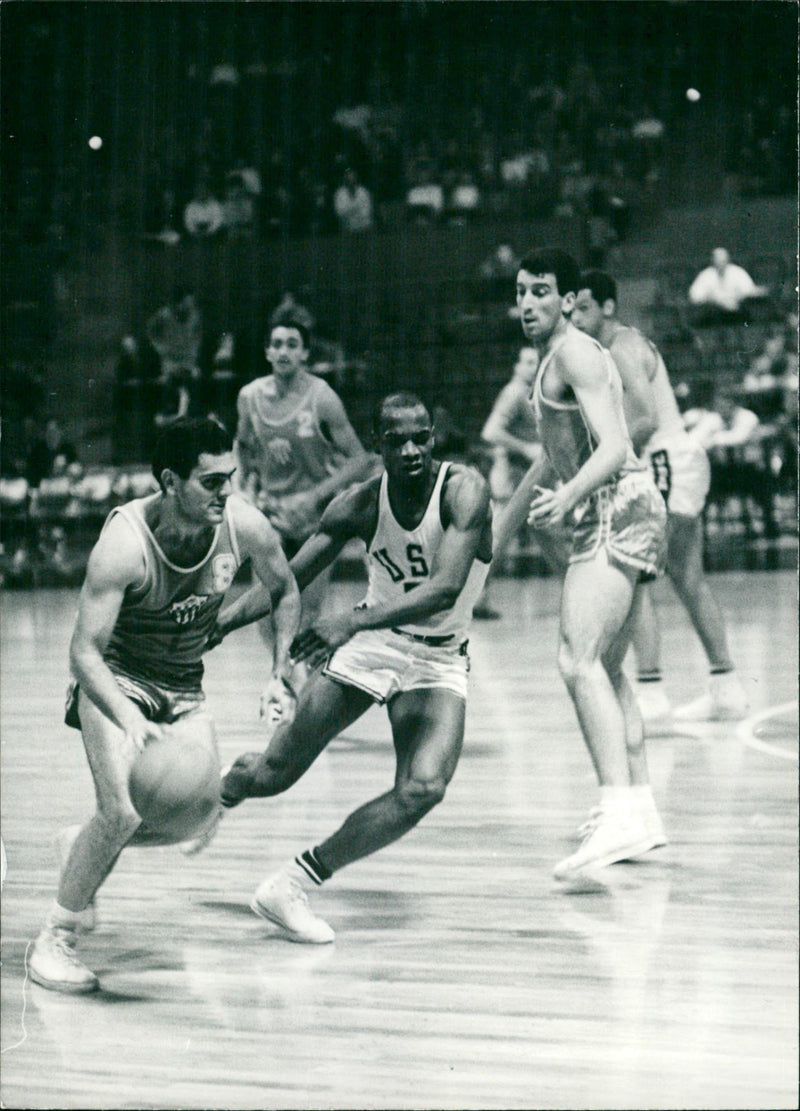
(613, 796)
(61, 918)
(642, 795)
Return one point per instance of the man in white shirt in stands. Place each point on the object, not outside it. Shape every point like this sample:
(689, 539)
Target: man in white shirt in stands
(722, 289)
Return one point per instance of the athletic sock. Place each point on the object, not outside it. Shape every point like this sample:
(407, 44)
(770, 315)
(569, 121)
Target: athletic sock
(308, 870)
(722, 670)
(649, 676)
(61, 918)
(616, 797)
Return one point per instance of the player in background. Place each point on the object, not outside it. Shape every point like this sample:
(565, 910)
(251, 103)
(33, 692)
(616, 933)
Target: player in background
(427, 529)
(296, 449)
(510, 432)
(680, 468)
(618, 524)
(149, 606)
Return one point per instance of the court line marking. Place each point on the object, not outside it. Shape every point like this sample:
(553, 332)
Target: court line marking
(745, 731)
(24, 1037)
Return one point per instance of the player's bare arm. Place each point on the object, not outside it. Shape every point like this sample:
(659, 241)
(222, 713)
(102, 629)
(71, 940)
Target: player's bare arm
(116, 563)
(636, 363)
(467, 535)
(581, 369)
(496, 429)
(276, 591)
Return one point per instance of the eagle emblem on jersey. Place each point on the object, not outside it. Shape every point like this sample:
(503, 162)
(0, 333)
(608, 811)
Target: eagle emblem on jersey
(185, 612)
(223, 568)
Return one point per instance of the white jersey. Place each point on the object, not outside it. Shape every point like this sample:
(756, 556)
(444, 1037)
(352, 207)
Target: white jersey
(401, 559)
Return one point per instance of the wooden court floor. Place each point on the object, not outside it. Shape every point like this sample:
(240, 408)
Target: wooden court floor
(462, 975)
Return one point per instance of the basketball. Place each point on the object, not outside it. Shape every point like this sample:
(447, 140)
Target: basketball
(174, 786)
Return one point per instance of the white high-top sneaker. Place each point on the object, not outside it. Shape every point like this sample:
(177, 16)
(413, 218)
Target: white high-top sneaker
(53, 964)
(282, 901)
(613, 833)
(724, 700)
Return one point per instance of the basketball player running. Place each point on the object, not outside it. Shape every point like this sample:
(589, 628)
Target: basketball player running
(296, 449)
(681, 471)
(149, 606)
(427, 529)
(618, 534)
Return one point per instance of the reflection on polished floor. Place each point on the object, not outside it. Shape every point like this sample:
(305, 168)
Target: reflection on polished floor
(462, 975)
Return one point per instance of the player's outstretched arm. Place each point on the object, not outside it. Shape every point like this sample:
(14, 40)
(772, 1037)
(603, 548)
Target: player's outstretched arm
(116, 562)
(276, 591)
(467, 512)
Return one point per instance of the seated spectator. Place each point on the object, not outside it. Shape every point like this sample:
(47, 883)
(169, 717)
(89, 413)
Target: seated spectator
(176, 332)
(720, 292)
(50, 455)
(425, 200)
(238, 208)
(203, 216)
(464, 201)
(352, 203)
(739, 451)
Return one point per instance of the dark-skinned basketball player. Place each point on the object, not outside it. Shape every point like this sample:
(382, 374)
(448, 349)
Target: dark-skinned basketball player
(428, 532)
(149, 606)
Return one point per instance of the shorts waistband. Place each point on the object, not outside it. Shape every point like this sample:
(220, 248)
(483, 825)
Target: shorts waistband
(433, 642)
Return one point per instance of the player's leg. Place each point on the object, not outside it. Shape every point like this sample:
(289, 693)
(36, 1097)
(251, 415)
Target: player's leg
(596, 603)
(94, 852)
(641, 794)
(428, 731)
(324, 709)
(725, 699)
(646, 641)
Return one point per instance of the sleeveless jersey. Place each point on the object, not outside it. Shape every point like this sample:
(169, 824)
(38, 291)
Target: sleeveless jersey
(400, 559)
(164, 622)
(291, 453)
(563, 428)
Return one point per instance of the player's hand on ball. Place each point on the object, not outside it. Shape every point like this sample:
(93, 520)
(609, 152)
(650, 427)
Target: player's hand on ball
(141, 731)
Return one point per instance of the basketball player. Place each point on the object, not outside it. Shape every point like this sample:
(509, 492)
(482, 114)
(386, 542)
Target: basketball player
(618, 535)
(150, 603)
(296, 449)
(681, 471)
(510, 432)
(427, 528)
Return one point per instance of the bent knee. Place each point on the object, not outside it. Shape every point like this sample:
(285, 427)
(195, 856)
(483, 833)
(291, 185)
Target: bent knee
(119, 824)
(418, 796)
(574, 666)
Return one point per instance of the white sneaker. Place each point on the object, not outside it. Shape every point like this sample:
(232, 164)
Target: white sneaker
(53, 964)
(87, 918)
(282, 901)
(723, 701)
(654, 705)
(648, 812)
(614, 835)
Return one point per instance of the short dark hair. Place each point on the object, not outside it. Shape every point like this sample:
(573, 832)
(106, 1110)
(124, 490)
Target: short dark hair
(181, 444)
(600, 284)
(401, 399)
(290, 319)
(552, 260)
